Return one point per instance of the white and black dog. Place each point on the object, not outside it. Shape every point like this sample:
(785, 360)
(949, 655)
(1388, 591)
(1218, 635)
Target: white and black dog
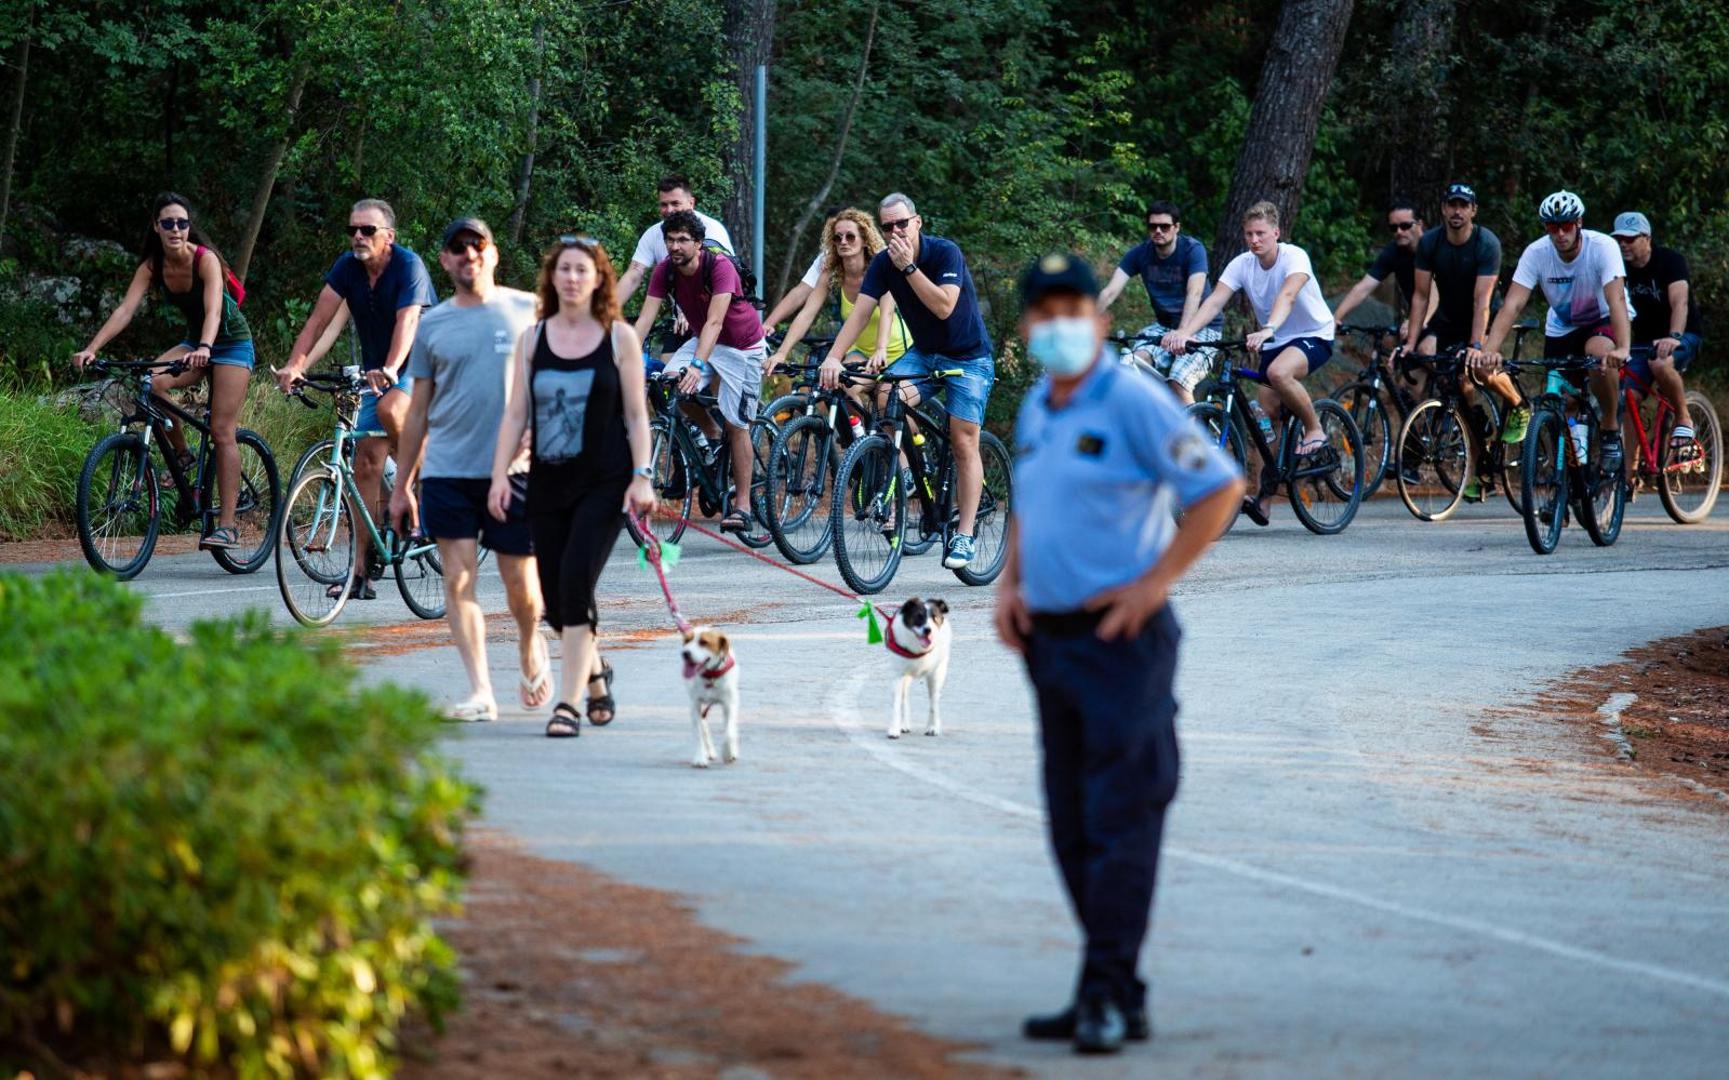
(711, 678)
(918, 637)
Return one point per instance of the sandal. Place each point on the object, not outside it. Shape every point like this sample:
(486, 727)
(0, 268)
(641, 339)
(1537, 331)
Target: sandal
(186, 459)
(602, 702)
(535, 691)
(477, 708)
(1309, 447)
(566, 722)
(736, 522)
(1252, 507)
(221, 537)
(359, 589)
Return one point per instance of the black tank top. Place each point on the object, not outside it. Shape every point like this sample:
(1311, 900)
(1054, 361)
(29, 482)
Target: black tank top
(576, 417)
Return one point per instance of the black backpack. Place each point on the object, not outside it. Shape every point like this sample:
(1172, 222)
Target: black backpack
(712, 250)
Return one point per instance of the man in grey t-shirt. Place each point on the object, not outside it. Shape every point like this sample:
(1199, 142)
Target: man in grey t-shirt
(460, 366)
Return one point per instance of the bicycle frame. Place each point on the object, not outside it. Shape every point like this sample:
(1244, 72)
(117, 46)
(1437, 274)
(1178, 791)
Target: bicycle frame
(156, 415)
(383, 541)
(1634, 391)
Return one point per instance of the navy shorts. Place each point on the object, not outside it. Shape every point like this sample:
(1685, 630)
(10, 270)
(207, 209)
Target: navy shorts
(1639, 364)
(454, 508)
(1317, 350)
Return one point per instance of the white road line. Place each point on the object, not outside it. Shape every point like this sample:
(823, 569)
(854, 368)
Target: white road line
(206, 592)
(877, 746)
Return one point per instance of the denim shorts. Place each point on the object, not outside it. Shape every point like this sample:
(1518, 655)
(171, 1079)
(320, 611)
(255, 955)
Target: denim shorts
(964, 394)
(454, 508)
(234, 353)
(1639, 364)
(367, 419)
(1317, 350)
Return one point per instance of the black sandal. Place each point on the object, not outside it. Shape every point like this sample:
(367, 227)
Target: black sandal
(566, 722)
(603, 702)
(736, 522)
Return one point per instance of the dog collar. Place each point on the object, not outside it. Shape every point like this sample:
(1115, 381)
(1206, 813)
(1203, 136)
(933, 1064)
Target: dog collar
(897, 648)
(709, 674)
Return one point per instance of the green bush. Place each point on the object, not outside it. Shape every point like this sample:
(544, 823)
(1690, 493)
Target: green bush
(42, 449)
(220, 849)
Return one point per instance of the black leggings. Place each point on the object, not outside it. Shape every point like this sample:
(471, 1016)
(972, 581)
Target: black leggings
(571, 547)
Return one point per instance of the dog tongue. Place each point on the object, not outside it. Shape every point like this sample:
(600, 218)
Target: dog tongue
(690, 669)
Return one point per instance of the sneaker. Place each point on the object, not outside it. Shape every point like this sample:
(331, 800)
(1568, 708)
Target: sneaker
(1473, 492)
(1609, 459)
(1517, 422)
(960, 552)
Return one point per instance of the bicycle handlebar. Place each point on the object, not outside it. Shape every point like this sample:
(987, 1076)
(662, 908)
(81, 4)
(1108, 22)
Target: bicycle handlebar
(100, 366)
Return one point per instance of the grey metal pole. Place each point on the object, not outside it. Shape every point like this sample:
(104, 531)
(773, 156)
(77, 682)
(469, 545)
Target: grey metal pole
(761, 174)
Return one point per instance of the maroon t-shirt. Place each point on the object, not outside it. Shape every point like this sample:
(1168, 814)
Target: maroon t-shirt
(742, 328)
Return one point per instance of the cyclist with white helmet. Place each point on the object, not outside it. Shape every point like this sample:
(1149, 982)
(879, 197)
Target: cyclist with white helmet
(1584, 280)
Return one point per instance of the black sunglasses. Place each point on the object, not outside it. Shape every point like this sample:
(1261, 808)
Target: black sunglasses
(1400, 226)
(362, 230)
(586, 243)
(896, 226)
(174, 224)
(1160, 226)
(460, 245)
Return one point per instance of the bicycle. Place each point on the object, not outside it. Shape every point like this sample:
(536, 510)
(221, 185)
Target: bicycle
(1447, 439)
(315, 552)
(1325, 487)
(1687, 479)
(1127, 344)
(1559, 466)
(797, 401)
(869, 513)
(684, 474)
(119, 506)
(803, 465)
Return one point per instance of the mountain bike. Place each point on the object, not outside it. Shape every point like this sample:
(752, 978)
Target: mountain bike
(1325, 487)
(1449, 438)
(869, 514)
(119, 505)
(1687, 478)
(315, 552)
(690, 472)
(804, 463)
(1559, 465)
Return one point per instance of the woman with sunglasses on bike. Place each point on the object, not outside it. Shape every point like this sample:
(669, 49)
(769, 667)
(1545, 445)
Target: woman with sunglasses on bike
(849, 241)
(578, 388)
(193, 277)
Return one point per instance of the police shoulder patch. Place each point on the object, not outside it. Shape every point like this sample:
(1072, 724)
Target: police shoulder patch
(1188, 451)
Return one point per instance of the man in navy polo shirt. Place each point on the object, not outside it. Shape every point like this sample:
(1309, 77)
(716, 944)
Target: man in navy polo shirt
(1101, 457)
(384, 287)
(933, 291)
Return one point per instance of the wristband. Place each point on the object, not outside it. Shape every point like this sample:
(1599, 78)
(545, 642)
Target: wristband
(205, 345)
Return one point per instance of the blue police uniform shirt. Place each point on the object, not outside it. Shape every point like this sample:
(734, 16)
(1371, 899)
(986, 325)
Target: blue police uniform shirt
(1167, 280)
(1095, 482)
(961, 336)
(373, 307)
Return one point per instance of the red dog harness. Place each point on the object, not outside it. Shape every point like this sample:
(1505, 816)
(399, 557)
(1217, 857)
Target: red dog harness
(896, 647)
(709, 675)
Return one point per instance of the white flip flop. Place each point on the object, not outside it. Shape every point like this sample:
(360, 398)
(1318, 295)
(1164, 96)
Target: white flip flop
(475, 709)
(537, 691)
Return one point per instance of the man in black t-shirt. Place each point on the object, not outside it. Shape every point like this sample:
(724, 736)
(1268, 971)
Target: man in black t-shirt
(1398, 258)
(1664, 318)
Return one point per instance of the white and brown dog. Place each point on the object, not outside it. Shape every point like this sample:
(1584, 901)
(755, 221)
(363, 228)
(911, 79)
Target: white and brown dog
(918, 637)
(711, 678)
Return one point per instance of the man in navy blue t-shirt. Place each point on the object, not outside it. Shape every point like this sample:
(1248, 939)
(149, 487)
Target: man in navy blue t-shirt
(1173, 267)
(934, 293)
(383, 287)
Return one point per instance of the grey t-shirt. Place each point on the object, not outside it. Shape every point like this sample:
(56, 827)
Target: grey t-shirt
(466, 351)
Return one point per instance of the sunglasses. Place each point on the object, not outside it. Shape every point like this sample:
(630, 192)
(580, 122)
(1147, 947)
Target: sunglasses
(846, 237)
(363, 230)
(586, 243)
(174, 224)
(460, 245)
(897, 226)
(1161, 226)
(1401, 226)
(1560, 226)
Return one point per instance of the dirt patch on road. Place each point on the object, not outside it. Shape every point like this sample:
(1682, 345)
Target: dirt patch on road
(13, 552)
(568, 973)
(1678, 722)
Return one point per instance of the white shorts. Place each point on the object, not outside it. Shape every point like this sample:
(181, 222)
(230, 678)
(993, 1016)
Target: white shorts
(740, 373)
(1186, 370)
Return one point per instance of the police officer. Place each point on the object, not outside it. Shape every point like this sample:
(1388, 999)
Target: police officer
(1101, 457)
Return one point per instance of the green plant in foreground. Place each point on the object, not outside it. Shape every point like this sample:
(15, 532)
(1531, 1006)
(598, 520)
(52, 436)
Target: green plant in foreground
(221, 849)
(42, 450)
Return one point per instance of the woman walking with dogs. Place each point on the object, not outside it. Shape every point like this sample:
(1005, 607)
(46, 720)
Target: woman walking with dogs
(578, 388)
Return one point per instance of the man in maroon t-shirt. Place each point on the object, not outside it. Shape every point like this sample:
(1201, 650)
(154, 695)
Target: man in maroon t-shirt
(729, 344)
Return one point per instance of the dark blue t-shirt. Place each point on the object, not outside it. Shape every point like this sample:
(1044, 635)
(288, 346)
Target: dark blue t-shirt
(961, 336)
(373, 308)
(1167, 280)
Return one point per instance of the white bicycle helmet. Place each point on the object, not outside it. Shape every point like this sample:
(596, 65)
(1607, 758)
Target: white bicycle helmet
(1561, 206)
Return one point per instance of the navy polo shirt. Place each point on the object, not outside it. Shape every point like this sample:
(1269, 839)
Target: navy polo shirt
(1096, 481)
(962, 335)
(373, 307)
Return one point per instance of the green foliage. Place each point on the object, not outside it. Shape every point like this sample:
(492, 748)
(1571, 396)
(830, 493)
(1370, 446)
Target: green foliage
(42, 449)
(222, 848)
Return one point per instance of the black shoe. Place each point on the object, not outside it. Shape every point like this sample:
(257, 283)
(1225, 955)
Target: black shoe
(1609, 458)
(1099, 1026)
(1060, 1027)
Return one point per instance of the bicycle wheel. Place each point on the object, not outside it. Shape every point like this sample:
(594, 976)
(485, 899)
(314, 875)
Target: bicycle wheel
(1325, 497)
(315, 549)
(316, 454)
(420, 579)
(924, 528)
(1369, 411)
(1436, 456)
(763, 436)
(867, 549)
(257, 510)
(991, 526)
(785, 409)
(119, 513)
(1543, 479)
(801, 473)
(671, 481)
(1604, 501)
(1221, 432)
(1689, 478)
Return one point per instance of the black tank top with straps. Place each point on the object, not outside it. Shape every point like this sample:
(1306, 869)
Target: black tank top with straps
(576, 417)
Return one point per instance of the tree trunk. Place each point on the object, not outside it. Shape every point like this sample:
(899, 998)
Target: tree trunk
(21, 65)
(1422, 43)
(811, 208)
(749, 40)
(520, 211)
(1280, 138)
(170, 109)
(272, 166)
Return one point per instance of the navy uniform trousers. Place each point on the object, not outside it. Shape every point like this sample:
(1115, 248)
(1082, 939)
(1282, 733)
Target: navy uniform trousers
(1107, 714)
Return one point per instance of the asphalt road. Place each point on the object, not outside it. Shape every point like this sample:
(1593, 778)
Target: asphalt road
(1379, 862)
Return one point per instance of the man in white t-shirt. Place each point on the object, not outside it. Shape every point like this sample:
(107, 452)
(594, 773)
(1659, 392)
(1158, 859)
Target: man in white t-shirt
(1296, 335)
(1584, 280)
(675, 195)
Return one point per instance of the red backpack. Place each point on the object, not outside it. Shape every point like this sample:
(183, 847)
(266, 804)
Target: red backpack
(236, 288)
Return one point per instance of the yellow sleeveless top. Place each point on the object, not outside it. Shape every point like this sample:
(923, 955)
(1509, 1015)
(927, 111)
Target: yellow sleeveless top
(899, 338)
